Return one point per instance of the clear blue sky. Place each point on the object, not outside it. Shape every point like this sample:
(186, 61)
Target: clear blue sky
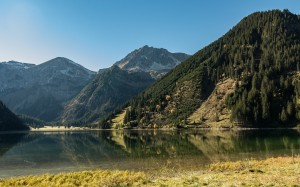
(97, 33)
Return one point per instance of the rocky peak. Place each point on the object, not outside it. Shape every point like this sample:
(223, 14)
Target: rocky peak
(157, 61)
(64, 66)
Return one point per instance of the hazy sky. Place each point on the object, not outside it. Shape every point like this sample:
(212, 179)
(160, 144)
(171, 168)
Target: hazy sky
(97, 33)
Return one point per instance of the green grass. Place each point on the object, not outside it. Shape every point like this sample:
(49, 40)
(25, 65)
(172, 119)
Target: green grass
(282, 171)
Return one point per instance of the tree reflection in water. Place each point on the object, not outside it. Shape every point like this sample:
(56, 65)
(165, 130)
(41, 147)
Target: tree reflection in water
(138, 149)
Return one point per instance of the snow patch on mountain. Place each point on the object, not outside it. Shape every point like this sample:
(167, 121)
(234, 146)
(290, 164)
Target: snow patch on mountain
(18, 65)
(121, 65)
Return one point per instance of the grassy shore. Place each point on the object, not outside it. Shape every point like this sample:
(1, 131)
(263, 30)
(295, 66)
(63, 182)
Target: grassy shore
(282, 171)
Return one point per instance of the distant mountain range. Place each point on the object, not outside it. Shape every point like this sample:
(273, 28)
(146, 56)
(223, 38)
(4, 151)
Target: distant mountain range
(41, 90)
(113, 87)
(62, 90)
(248, 77)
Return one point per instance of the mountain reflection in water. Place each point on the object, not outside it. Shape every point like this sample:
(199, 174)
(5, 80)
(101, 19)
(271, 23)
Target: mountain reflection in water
(52, 152)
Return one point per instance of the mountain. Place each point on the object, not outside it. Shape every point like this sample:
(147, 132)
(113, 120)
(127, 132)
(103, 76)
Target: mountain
(9, 121)
(113, 87)
(248, 77)
(108, 91)
(41, 90)
(153, 60)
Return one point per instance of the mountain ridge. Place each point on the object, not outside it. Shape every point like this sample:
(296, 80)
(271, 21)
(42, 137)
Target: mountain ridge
(41, 90)
(117, 85)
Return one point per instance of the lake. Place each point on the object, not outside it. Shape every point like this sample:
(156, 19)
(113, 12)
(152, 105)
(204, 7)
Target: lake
(28, 153)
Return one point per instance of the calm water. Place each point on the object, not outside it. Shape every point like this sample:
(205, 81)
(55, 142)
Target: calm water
(52, 152)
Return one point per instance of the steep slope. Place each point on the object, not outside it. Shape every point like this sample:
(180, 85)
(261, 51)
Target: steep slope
(153, 60)
(108, 91)
(9, 121)
(113, 87)
(261, 54)
(213, 110)
(42, 90)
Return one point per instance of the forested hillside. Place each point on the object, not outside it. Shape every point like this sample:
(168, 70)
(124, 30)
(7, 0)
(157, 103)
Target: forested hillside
(9, 121)
(261, 54)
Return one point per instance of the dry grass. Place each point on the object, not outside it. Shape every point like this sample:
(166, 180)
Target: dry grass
(85, 178)
(58, 128)
(213, 111)
(283, 171)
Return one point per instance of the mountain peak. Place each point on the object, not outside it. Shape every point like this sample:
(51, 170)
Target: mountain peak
(145, 47)
(150, 59)
(151, 48)
(50, 84)
(64, 64)
(61, 60)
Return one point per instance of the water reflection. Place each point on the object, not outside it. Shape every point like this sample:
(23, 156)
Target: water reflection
(37, 152)
(7, 141)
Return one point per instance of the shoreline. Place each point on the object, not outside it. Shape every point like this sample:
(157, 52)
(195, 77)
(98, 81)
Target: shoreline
(62, 128)
(82, 129)
(280, 171)
(58, 128)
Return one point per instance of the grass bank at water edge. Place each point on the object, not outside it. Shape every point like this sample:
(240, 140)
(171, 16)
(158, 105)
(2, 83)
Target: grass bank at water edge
(281, 171)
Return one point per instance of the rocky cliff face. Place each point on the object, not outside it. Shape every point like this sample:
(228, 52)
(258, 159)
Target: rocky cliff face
(41, 90)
